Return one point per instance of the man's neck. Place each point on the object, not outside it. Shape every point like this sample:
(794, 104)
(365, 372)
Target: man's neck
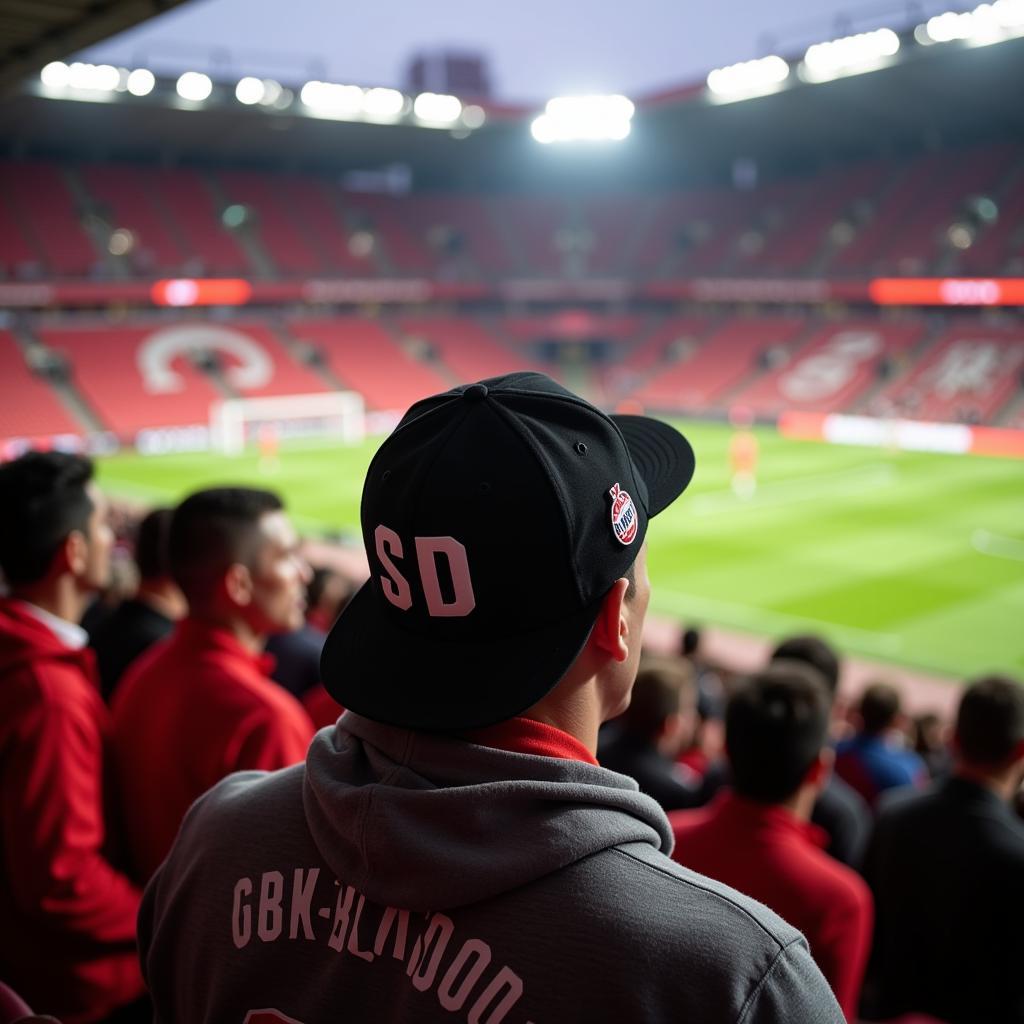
(60, 598)
(159, 599)
(801, 803)
(1003, 783)
(236, 626)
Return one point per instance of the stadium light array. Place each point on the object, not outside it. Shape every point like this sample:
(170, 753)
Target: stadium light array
(748, 79)
(194, 86)
(249, 91)
(584, 118)
(851, 55)
(437, 109)
(987, 23)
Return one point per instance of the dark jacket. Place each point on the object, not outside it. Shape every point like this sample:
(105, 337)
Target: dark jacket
(947, 870)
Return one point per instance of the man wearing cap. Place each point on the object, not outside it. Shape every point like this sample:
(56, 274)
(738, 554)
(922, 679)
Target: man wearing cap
(451, 850)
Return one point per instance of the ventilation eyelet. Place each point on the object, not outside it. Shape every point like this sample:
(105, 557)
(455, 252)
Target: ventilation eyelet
(580, 448)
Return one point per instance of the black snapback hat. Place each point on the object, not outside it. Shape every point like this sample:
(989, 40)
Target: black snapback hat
(496, 517)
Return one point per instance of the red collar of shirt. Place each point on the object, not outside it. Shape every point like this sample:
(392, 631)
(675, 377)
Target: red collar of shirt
(772, 817)
(198, 635)
(525, 736)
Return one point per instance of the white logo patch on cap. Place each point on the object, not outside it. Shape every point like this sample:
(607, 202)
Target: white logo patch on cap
(625, 521)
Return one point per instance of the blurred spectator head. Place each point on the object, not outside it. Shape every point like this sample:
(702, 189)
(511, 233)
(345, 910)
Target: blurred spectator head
(814, 651)
(663, 707)
(775, 728)
(326, 596)
(151, 545)
(689, 645)
(928, 729)
(53, 522)
(879, 708)
(990, 722)
(234, 552)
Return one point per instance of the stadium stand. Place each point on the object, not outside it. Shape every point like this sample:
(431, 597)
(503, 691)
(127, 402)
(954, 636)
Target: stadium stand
(534, 226)
(316, 209)
(30, 407)
(283, 237)
(110, 371)
(723, 361)
(461, 234)
(365, 357)
(834, 369)
(465, 346)
(385, 216)
(18, 257)
(120, 192)
(970, 373)
(46, 211)
(187, 199)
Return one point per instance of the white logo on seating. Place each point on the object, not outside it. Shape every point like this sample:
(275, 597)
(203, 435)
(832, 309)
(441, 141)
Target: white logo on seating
(155, 358)
(827, 372)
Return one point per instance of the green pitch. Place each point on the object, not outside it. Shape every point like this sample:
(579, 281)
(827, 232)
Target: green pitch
(904, 557)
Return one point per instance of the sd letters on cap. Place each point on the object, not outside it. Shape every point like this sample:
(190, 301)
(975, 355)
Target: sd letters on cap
(496, 517)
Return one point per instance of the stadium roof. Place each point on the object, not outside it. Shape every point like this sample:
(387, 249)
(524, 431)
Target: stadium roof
(931, 97)
(33, 32)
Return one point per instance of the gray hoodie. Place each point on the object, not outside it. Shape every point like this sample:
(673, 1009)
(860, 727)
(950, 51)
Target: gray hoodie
(400, 876)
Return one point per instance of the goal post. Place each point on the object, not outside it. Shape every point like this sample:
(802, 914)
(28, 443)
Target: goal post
(337, 415)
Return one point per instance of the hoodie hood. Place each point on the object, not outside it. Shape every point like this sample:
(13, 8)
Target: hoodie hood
(25, 640)
(429, 822)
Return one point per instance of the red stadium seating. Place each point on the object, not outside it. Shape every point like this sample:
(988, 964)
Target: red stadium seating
(468, 350)
(841, 362)
(287, 376)
(532, 225)
(127, 391)
(469, 218)
(403, 248)
(40, 195)
(970, 373)
(123, 191)
(17, 253)
(285, 240)
(28, 405)
(366, 358)
(319, 215)
(190, 204)
(724, 360)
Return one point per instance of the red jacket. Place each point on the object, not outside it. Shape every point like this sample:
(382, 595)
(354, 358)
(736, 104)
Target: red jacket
(768, 853)
(67, 917)
(191, 710)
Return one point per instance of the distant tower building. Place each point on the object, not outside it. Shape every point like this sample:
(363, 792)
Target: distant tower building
(458, 74)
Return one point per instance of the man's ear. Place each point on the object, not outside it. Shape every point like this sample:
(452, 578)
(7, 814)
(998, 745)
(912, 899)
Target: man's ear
(238, 584)
(818, 773)
(73, 555)
(611, 629)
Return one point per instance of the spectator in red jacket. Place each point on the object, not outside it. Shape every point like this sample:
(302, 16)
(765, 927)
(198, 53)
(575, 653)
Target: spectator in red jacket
(201, 705)
(758, 837)
(67, 916)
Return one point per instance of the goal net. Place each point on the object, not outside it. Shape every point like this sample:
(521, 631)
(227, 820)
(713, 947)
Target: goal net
(334, 415)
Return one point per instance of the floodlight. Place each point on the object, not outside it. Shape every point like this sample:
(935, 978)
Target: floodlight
(748, 79)
(194, 86)
(850, 55)
(383, 104)
(141, 82)
(473, 116)
(55, 75)
(93, 77)
(436, 108)
(987, 23)
(332, 100)
(249, 91)
(584, 118)
(272, 93)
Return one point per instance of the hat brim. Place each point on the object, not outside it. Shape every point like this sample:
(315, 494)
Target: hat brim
(662, 455)
(374, 667)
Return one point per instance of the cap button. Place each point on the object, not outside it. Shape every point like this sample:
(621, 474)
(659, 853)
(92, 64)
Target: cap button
(475, 392)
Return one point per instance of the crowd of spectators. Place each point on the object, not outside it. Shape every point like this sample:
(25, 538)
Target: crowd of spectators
(892, 844)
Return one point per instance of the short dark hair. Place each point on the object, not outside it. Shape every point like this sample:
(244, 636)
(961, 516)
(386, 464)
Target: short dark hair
(776, 723)
(152, 539)
(990, 720)
(213, 529)
(660, 683)
(689, 642)
(879, 706)
(43, 499)
(814, 651)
